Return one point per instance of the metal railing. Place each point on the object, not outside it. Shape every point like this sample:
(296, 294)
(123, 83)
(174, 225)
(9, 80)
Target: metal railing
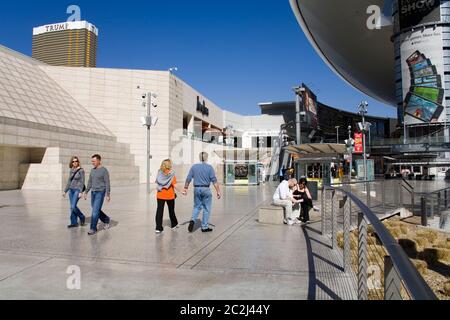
(382, 268)
(430, 204)
(434, 203)
(392, 195)
(431, 139)
(376, 194)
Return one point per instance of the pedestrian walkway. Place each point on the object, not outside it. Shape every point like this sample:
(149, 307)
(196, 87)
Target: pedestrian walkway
(241, 259)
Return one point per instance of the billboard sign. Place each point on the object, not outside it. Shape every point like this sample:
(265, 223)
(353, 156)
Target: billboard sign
(416, 12)
(370, 169)
(358, 143)
(423, 76)
(310, 107)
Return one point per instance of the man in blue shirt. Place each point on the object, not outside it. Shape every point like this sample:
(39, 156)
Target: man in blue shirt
(203, 175)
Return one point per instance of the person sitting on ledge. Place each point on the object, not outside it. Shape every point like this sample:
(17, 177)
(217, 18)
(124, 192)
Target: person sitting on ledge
(283, 197)
(301, 192)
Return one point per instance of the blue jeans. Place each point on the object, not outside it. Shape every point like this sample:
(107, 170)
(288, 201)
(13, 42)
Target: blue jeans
(75, 213)
(202, 199)
(97, 198)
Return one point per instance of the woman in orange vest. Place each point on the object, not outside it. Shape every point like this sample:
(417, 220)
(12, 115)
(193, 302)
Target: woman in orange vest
(166, 185)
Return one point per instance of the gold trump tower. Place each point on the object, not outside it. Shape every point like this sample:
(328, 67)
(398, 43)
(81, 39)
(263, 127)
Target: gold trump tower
(72, 44)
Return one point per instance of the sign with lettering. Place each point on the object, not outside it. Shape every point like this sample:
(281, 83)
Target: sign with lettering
(416, 12)
(201, 107)
(358, 143)
(62, 26)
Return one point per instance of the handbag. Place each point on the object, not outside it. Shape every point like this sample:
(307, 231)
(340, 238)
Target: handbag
(73, 177)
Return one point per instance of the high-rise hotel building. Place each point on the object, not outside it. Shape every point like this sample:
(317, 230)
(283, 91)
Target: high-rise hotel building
(72, 44)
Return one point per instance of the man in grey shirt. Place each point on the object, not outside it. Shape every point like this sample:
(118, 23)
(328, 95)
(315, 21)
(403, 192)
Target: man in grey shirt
(100, 185)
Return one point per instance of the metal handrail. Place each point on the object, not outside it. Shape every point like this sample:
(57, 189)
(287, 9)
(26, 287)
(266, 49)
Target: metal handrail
(350, 182)
(408, 184)
(413, 281)
(432, 192)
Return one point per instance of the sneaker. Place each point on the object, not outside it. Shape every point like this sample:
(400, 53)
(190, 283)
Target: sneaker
(70, 226)
(207, 230)
(91, 232)
(176, 227)
(106, 226)
(315, 208)
(285, 221)
(158, 231)
(290, 222)
(83, 223)
(297, 221)
(191, 226)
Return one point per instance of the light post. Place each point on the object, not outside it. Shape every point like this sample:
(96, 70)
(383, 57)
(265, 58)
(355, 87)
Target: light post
(349, 144)
(337, 134)
(298, 113)
(364, 127)
(149, 121)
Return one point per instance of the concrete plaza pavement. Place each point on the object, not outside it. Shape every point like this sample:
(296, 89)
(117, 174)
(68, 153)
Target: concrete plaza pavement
(241, 259)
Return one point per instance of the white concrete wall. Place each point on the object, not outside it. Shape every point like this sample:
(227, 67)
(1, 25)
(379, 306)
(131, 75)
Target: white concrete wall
(10, 160)
(253, 123)
(112, 96)
(49, 151)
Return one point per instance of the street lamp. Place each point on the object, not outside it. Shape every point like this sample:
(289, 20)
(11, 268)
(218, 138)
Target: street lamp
(350, 143)
(337, 134)
(149, 100)
(364, 127)
(298, 100)
(172, 69)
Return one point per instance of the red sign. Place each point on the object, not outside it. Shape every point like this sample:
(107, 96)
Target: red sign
(358, 143)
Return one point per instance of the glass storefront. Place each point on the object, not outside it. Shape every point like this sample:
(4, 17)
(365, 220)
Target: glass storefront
(241, 173)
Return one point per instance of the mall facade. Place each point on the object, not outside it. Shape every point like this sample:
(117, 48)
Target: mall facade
(49, 113)
(398, 52)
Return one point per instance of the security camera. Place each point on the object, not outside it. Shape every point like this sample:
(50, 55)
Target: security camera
(360, 126)
(144, 96)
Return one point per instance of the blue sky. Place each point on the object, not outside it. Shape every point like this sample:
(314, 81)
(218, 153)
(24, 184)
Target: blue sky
(237, 53)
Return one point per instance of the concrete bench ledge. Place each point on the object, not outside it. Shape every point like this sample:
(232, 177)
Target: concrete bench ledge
(271, 215)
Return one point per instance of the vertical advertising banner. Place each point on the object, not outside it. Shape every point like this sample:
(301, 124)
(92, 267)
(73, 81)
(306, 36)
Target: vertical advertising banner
(310, 105)
(423, 76)
(422, 63)
(358, 143)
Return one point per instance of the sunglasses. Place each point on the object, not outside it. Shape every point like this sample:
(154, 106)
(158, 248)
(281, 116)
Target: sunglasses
(75, 161)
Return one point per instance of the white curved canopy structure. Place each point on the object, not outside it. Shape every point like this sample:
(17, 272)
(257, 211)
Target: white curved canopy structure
(339, 33)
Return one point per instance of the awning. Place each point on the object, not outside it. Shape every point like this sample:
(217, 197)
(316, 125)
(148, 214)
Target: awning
(317, 152)
(317, 149)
